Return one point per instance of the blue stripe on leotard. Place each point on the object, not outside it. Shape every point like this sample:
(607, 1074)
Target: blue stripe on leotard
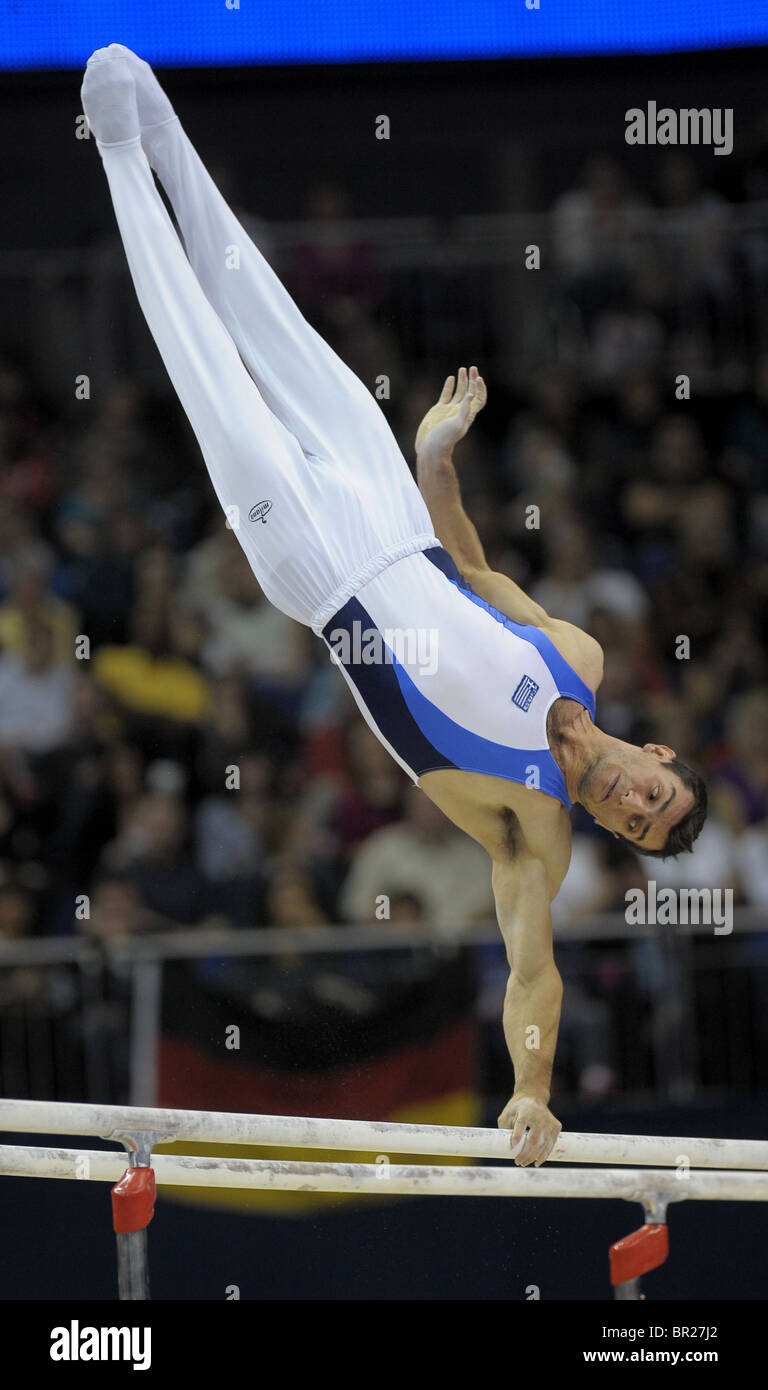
(423, 735)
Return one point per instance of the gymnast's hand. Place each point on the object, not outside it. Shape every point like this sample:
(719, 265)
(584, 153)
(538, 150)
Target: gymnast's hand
(448, 421)
(524, 1113)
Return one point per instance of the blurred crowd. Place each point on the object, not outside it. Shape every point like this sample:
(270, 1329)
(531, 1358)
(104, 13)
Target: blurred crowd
(179, 753)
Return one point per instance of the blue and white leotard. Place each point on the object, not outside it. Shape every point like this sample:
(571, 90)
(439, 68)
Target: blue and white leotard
(446, 681)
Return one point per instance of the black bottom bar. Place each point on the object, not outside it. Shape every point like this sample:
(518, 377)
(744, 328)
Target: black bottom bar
(132, 1266)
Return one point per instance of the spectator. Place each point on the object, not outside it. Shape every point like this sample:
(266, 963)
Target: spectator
(151, 853)
(596, 225)
(230, 827)
(153, 675)
(18, 911)
(426, 856)
(374, 797)
(740, 780)
(574, 583)
(246, 634)
(751, 855)
(116, 910)
(31, 603)
(292, 900)
(37, 693)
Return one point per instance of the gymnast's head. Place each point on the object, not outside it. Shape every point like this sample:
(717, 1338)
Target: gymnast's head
(646, 797)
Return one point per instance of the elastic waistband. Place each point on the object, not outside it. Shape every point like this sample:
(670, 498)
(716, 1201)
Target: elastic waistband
(366, 573)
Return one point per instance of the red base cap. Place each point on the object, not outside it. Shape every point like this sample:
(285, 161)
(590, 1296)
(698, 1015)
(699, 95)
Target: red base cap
(636, 1254)
(133, 1200)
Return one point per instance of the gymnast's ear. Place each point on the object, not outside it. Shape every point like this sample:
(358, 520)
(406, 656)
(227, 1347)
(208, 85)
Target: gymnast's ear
(660, 750)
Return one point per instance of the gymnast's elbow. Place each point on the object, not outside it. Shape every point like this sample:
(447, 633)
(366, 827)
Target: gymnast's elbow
(540, 976)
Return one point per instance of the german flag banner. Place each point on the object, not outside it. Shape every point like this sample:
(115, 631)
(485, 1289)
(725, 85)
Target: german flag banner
(376, 1036)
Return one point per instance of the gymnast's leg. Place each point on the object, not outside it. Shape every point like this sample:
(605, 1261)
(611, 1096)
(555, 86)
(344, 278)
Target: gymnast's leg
(305, 384)
(249, 454)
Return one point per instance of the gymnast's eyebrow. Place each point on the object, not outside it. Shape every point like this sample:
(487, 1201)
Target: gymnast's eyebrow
(671, 797)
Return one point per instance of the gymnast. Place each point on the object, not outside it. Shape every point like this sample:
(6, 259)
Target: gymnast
(497, 728)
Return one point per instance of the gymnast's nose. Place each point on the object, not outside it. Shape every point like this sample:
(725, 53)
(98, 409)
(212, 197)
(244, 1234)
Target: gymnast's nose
(631, 798)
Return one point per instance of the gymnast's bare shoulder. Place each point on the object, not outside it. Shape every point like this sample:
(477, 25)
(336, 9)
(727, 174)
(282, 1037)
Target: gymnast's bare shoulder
(511, 821)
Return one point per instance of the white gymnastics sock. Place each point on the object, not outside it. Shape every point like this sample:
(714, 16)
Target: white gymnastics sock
(153, 105)
(109, 99)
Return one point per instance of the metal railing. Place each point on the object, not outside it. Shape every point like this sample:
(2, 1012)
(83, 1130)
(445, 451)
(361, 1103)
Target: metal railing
(673, 1013)
(444, 286)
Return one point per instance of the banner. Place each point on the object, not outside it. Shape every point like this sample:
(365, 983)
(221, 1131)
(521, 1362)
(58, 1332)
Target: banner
(188, 33)
(374, 1036)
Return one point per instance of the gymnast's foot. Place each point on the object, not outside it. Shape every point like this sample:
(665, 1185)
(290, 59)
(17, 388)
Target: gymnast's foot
(108, 95)
(154, 107)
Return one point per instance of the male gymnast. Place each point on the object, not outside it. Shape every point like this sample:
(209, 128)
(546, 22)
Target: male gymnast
(499, 730)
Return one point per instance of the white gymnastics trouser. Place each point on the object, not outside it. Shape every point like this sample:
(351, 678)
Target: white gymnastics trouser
(278, 416)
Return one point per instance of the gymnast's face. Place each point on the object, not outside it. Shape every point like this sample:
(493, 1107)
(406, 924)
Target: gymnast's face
(629, 790)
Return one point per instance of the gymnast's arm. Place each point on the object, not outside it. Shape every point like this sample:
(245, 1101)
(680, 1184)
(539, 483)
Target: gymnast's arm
(532, 1002)
(442, 427)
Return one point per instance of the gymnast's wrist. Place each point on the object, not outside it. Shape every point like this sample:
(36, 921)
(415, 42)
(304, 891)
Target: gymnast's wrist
(540, 1094)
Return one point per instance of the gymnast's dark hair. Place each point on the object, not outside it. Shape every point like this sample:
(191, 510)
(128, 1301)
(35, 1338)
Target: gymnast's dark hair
(681, 837)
